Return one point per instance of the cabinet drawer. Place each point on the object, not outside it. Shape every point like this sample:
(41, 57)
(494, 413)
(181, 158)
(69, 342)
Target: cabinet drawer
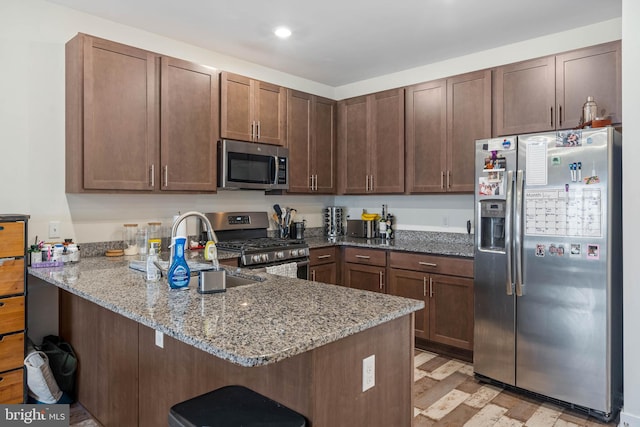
(11, 351)
(11, 239)
(11, 276)
(365, 256)
(12, 387)
(432, 264)
(319, 256)
(11, 315)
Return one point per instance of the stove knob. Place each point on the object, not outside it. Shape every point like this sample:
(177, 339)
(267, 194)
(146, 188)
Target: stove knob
(265, 258)
(255, 258)
(280, 254)
(294, 252)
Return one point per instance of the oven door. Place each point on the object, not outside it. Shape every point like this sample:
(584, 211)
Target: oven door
(302, 267)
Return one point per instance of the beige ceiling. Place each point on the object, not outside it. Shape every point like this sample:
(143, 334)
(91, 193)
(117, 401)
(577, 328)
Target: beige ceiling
(336, 42)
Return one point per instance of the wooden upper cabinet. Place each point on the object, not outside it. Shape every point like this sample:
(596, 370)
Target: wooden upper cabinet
(468, 119)
(548, 93)
(444, 118)
(594, 71)
(371, 141)
(111, 116)
(189, 131)
(426, 124)
(120, 138)
(525, 97)
(252, 110)
(311, 139)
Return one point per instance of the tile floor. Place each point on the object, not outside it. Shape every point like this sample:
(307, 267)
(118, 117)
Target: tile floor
(446, 394)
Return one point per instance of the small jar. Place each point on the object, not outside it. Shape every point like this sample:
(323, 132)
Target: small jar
(129, 237)
(589, 110)
(155, 235)
(74, 252)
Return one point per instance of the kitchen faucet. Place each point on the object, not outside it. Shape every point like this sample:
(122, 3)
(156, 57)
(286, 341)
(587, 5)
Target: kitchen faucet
(211, 235)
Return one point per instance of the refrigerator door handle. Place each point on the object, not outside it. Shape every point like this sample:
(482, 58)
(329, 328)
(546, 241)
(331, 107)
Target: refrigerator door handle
(517, 232)
(508, 232)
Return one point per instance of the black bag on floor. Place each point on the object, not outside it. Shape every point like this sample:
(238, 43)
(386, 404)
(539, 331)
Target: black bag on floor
(62, 361)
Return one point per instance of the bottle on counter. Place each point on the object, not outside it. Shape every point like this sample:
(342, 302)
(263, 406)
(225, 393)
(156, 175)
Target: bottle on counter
(179, 273)
(389, 221)
(129, 237)
(153, 273)
(154, 232)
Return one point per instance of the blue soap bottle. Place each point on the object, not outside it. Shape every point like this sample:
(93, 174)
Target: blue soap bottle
(179, 273)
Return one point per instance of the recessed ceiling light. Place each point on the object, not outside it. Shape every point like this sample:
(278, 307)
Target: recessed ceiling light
(282, 32)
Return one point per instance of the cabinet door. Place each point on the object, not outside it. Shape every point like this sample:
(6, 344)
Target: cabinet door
(412, 284)
(325, 273)
(119, 113)
(354, 152)
(451, 311)
(189, 111)
(426, 124)
(366, 277)
(299, 130)
(593, 71)
(236, 107)
(525, 97)
(387, 142)
(270, 104)
(468, 119)
(323, 156)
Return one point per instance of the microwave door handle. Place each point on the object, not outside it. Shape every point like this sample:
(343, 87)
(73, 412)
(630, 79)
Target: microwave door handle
(275, 170)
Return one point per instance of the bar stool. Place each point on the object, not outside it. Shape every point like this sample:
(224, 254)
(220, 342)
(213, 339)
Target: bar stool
(233, 406)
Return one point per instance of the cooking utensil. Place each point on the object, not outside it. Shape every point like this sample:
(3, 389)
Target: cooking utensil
(278, 210)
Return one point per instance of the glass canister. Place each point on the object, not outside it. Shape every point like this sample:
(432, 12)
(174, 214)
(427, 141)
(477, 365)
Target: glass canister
(154, 231)
(589, 110)
(129, 236)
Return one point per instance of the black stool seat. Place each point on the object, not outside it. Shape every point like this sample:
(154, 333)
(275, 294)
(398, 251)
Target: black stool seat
(233, 406)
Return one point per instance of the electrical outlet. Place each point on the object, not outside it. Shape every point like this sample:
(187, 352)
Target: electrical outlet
(368, 372)
(54, 229)
(159, 339)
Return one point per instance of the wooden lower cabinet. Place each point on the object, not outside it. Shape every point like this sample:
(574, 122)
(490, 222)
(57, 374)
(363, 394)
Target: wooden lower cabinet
(445, 284)
(365, 277)
(125, 379)
(323, 265)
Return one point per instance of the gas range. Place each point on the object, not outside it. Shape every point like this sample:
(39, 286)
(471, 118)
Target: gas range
(266, 250)
(246, 233)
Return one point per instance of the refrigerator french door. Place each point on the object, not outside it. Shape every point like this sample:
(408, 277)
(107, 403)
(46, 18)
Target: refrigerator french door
(548, 266)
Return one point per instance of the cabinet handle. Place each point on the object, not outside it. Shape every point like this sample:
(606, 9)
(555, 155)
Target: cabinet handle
(381, 280)
(253, 124)
(366, 186)
(424, 286)
(363, 256)
(448, 179)
(258, 133)
(428, 264)
(316, 187)
(324, 256)
(442, 179)
(430, 287)
(153, 175)
(311, 182)
(559, 115)
(166, 175)
(313, 275)
(551, 122)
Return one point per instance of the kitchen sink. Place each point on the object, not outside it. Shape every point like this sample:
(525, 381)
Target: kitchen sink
(235, 281)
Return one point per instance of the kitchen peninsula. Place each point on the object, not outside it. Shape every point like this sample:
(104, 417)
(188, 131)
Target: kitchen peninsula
(142, 348)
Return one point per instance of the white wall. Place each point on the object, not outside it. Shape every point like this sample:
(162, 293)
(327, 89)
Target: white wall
(631, 206)
(32, 38)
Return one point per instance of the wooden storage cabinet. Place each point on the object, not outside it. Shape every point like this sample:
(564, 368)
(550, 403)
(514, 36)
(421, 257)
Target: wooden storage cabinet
(252, 110)
(443, 120)
(138, 121)
(365, 269)
(445, 285)
(323, 263)
(371, 143)
(311, 137)
(13, 235)
(548, 93)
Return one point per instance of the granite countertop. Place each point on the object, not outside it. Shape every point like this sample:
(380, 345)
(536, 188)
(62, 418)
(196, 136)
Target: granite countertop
(251, 325)
(432, 243)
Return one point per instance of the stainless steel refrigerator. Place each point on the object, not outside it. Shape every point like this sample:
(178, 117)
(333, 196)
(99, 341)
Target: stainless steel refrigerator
(548, 266)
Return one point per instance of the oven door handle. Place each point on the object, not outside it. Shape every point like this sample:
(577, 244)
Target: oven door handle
(302, 263)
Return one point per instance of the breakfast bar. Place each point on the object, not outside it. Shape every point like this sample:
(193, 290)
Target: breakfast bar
(143, 348)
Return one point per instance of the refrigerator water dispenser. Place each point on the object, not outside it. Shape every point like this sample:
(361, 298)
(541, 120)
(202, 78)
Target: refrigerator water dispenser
(492, 216)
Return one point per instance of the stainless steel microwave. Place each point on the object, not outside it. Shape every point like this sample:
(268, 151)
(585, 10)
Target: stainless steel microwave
(252, 166)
